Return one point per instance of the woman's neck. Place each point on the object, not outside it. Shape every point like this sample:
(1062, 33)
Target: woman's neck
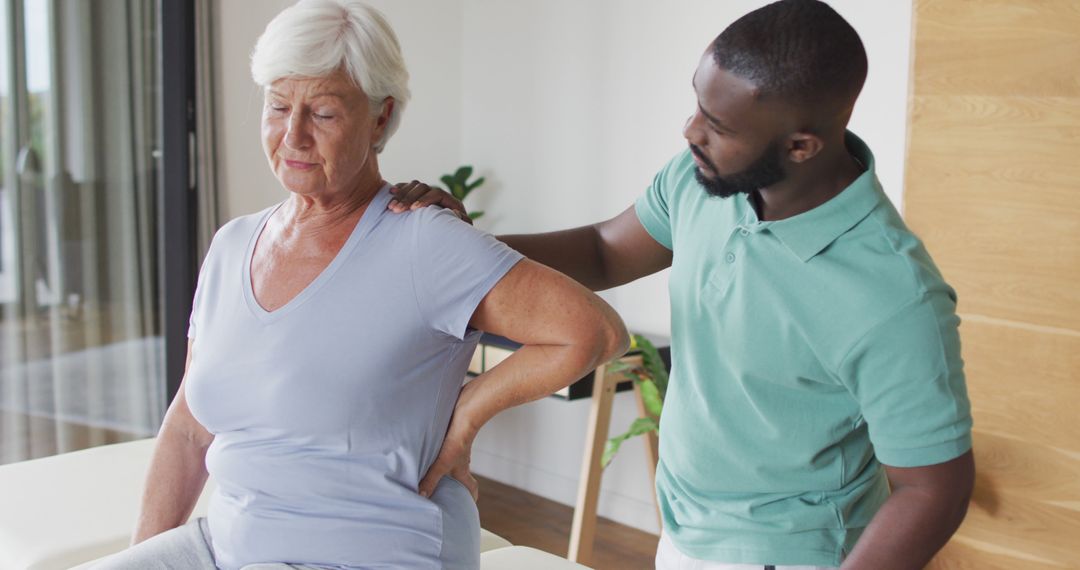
(312, 216)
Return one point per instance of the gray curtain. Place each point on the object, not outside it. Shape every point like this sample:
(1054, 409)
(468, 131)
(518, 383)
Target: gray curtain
(82, 355)
(205, 149)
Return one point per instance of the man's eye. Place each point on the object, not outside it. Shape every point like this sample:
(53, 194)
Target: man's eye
(323, 117)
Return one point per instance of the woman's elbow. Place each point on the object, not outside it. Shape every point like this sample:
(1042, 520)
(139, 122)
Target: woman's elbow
(619, 339)
(181, 431)
(608, 335)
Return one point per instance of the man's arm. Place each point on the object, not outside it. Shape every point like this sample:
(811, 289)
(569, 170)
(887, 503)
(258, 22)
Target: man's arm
(599, 256)
(926, 507)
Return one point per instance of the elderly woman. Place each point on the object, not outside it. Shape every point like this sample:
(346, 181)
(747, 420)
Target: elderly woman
(330, 338)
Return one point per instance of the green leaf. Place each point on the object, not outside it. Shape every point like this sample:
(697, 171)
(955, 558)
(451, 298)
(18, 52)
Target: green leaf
(654, 365)
(477, 184)
(457, 184)
(642, 426)
(611, 447)
(639, 427)
(650, 395)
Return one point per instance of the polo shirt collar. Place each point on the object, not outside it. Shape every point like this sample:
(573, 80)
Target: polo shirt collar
(809, 233)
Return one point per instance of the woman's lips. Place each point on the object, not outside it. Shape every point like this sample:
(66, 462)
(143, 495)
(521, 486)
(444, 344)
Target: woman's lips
(298, 165)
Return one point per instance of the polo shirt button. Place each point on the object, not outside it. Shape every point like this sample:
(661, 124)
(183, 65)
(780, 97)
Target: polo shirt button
(744, 233)
(730, 258)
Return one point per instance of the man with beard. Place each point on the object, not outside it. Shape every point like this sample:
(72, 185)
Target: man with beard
(817, 413)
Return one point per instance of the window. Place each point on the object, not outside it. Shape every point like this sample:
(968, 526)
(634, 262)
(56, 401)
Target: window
(90, 147)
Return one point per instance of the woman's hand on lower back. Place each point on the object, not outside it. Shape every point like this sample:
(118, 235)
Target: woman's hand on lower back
(453, 459)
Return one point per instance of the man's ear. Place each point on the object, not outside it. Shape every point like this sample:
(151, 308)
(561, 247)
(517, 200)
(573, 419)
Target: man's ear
(802, 146)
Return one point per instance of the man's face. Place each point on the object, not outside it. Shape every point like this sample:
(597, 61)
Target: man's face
(733, 135)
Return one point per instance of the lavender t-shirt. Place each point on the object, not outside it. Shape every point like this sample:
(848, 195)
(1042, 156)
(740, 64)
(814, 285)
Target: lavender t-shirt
(328, 411)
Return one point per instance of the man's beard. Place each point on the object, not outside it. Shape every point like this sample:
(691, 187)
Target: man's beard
(762, 173)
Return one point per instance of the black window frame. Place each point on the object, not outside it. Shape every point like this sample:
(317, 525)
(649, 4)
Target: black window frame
(178, 183)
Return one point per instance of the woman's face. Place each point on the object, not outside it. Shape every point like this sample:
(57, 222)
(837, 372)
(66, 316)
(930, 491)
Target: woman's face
(319, 134)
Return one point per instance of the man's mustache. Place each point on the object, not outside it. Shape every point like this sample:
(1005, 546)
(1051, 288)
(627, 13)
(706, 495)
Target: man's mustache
(701, 155)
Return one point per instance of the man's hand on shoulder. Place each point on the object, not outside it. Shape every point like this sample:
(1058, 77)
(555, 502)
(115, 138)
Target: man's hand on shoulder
(412, 195)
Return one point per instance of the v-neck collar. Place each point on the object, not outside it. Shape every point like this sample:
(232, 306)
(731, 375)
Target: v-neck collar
(363, 226)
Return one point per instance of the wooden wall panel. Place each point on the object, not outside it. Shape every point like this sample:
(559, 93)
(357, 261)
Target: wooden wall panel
(992, 191)
(967, 554)
(993, 188)
(998, 47)
(1019, 472)
(1024, 381)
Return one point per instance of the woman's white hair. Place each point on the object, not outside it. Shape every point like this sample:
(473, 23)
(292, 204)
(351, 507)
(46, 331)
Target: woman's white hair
(314, 38)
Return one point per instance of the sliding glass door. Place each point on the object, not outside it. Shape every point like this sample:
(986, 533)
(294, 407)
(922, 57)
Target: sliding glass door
(82, 350)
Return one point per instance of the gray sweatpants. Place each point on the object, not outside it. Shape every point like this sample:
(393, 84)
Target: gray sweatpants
(185, 547)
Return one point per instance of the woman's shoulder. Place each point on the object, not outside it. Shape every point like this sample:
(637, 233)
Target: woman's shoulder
(442, 240)
(436, 223)
(241, 228)
(230, 241)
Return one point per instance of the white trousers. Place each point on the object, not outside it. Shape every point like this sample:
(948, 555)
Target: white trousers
(669, 558)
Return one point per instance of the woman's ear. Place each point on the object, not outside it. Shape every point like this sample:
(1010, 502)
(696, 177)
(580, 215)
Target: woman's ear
(382, 120)
(384, 114)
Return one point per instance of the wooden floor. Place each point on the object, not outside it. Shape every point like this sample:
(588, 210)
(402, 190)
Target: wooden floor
(529, 520)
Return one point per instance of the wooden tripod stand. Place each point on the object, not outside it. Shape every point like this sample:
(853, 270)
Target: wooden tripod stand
(583, 530)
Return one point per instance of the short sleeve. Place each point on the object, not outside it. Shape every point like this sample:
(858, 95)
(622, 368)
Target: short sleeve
(907, 375)
(194, 310)
(199, 287)
(197, 314)
(454, 267)
(653, 207)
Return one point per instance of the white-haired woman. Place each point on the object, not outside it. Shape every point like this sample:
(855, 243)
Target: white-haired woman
(330, 337)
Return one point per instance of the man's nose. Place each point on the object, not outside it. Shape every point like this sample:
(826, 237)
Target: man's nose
(692, 131)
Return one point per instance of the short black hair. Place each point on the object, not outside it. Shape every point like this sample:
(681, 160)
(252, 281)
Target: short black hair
(800, 50)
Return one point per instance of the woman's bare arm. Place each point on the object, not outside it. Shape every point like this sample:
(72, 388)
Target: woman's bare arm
(565, 330)
(177, 471)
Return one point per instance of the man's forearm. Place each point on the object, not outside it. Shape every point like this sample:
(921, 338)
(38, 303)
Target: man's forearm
(576, 253)
(909, 529)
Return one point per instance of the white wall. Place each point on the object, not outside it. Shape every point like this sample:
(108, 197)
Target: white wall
(569, 108)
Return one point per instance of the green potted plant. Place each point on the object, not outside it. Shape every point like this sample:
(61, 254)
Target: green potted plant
(651, 379)
(459, 186)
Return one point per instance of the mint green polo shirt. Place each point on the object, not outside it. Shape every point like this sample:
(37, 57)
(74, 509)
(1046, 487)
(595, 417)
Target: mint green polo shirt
(806, 353)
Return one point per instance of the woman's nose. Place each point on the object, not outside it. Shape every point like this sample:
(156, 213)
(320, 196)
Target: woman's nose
(297, 137)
